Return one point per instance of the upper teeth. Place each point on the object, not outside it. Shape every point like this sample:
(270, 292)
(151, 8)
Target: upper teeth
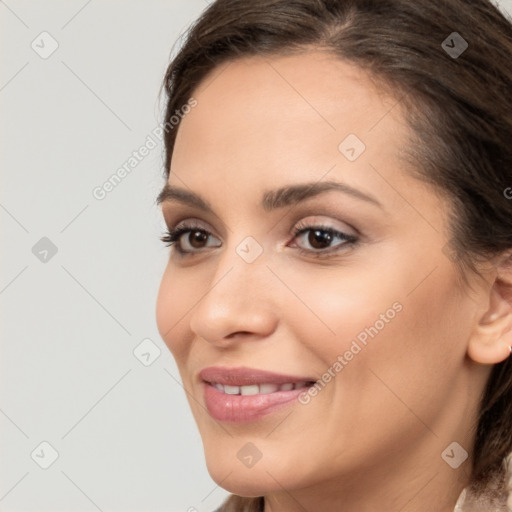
(257, 388)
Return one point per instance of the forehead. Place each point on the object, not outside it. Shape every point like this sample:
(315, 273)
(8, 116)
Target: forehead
(283, 119)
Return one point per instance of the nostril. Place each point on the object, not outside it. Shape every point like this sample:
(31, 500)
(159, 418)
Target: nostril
(238, 333)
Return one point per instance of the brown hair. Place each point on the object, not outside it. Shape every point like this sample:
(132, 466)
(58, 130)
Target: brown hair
(459, 109)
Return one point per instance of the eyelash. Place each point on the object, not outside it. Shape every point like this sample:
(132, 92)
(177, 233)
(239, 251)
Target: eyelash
(172, 237)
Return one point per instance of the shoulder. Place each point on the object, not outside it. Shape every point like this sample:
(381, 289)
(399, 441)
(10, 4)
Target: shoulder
(496, 497)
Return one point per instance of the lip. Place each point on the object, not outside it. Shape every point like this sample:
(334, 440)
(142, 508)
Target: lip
(243, 376)
(246, 408)
(229, 408)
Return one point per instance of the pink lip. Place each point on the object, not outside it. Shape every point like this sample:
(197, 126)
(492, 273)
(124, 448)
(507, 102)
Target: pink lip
(245, 408)
(242, 376)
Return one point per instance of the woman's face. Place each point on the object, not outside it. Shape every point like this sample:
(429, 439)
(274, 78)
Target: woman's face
(377, 308)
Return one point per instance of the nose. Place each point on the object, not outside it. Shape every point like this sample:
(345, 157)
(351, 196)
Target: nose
(236, 304)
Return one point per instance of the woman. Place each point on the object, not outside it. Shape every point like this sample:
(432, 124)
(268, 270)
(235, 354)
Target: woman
(338, 295)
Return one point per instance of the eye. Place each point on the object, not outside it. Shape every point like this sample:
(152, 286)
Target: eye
(191, 243)
(320, 238)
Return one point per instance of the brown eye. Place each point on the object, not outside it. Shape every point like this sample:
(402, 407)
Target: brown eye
(192, 239)
(320, 239)
(196, 238)
(187, 239)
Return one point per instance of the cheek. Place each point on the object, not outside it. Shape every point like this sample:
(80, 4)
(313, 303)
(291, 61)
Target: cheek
(384, 327)
(416, 358)
(333, 309)
(397, 348)
(171, 308)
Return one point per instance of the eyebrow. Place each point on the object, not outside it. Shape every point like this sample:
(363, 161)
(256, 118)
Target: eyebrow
(273, 199)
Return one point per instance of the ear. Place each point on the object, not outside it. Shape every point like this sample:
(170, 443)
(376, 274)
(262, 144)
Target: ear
(491, 340)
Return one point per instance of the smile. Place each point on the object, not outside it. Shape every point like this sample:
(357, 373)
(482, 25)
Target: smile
(259, 389)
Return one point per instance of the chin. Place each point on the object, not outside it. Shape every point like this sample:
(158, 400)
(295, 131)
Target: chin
(244, 483)
(269, 474)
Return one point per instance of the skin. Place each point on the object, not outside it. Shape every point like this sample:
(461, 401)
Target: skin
(372, 439)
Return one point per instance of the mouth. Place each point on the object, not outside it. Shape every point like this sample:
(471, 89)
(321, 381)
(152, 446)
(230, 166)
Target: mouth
(231, 378)
(241, 395)
(260, 389)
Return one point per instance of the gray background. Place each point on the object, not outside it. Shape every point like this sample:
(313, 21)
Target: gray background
(125, 438)
(72, 372)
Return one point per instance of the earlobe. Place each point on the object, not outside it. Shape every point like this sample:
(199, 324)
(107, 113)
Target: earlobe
(491, 341)
(489, 354)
